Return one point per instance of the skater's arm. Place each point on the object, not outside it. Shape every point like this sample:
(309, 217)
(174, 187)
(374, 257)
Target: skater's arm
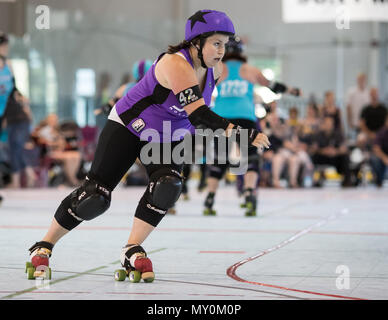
(176, 74)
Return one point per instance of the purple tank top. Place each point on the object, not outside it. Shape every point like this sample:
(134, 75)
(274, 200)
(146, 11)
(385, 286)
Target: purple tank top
(148, 104)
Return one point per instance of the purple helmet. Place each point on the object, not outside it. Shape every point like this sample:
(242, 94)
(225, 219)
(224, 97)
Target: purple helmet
(208, 21)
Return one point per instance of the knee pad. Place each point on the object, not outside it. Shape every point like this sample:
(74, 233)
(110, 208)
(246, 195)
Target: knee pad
(162, 192)
(164, 188)
(87, 202)
(90, 200)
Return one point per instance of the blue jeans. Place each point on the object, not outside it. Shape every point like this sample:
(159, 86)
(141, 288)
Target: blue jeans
(378, 168)
(18, 134)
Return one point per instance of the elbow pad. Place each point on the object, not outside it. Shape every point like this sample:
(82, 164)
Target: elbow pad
(204, 117)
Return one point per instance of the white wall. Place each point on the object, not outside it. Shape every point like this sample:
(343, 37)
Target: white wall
(110, 36)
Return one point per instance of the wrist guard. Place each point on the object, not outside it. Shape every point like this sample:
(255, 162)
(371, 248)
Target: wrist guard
(252, 134)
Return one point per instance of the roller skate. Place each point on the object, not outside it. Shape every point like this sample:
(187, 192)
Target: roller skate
(136, 265)
(171, 210)
(38, 267)
(209, 211)
(250, 203)
(185, 191)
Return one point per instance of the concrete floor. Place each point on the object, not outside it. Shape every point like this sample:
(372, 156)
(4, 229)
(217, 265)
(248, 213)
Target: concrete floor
(305, 244)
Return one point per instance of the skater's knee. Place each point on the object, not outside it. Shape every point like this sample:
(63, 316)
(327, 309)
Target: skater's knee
(87, 202)
(163, 191)
(90, 200)
(165, 188)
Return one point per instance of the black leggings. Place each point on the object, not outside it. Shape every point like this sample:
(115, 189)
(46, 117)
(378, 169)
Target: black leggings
(116, 152)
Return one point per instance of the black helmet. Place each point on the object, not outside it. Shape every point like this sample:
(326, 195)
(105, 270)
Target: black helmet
(234, 46)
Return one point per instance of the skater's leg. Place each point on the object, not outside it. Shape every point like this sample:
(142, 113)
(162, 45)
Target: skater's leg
(55, 232)
(216, 173)
(250, 180)
(140, 231)
(116, 151)
(162, 192)
(212, 184)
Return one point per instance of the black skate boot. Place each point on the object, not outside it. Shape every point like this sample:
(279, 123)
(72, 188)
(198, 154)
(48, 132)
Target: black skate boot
(250, 203)
(209, 211)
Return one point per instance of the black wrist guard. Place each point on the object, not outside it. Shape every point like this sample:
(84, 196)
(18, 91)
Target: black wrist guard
(203, 116)
(277, 87)
(252, 134)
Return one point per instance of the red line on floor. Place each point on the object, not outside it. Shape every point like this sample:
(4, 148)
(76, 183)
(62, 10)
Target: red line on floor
(145, 293)
(222, 252)
(231, 271)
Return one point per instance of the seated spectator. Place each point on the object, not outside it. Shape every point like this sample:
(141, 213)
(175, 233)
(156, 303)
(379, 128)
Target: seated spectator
(61, 143)
(379, 158)
(293, 120)
(372, 119)
(330, 149)
(330, 109)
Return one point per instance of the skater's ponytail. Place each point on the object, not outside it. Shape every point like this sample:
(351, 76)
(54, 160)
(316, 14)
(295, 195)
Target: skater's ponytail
(182, 45)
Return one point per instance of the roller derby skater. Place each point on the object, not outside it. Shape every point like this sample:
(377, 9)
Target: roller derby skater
(236, 102)
(177, 88)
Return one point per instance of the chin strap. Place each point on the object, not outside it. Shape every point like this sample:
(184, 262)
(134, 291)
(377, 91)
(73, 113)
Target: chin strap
(199, 50)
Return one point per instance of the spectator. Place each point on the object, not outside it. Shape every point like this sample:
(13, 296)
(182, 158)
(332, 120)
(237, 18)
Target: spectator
(17, 118)
(372, 119)
(330, 149)
(61, 142)
(330, 109)
(379, 158)
(357, 98)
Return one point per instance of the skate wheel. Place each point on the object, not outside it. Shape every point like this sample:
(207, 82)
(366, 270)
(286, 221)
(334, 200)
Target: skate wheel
(49, 274)
(120, 275)
(134, 276)
(31, 273)
(28, 265)
(209, 212)
(148, 276)
(243, 205)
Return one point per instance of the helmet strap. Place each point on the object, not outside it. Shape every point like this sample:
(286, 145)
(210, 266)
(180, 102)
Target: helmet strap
(199, 50)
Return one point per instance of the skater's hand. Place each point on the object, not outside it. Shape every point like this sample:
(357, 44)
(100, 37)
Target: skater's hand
(261, 141)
